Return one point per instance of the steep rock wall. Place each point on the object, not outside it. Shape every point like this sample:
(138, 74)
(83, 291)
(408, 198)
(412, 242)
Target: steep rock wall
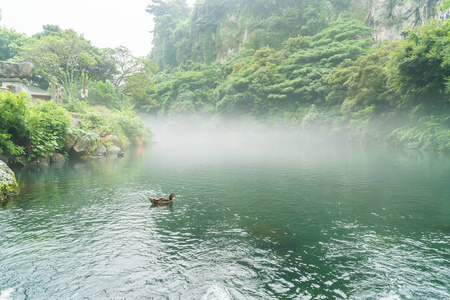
(390, 18)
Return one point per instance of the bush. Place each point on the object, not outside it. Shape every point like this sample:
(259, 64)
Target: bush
(50, 123)
(31, 129)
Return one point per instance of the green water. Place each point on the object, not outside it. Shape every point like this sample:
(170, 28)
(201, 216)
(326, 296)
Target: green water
(265, 219)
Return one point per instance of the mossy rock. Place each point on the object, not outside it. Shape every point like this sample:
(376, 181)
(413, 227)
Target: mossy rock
(8, 183)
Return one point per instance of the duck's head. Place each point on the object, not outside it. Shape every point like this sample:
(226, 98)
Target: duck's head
(172, 196)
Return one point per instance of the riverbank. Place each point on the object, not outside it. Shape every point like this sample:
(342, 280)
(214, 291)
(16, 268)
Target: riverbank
(43, 132)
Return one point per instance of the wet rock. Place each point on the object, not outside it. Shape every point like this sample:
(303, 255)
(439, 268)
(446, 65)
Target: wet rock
(70, 142)
(42, 161)
(16, 70)
(87, 156)
(100, 151)
(111, 139)
(57, 157)
(82, 145)
(8, 183)
(113, 150)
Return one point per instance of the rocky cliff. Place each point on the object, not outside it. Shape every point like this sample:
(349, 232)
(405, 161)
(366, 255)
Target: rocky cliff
(216, 29)
(390, 18)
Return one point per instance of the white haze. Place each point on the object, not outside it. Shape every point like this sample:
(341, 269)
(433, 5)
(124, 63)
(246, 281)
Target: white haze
(197, 140)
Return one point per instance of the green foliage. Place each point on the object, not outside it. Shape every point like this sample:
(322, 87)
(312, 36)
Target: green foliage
(139, 85)
(216, 28)
(29, 128)
(61, 58)
(105, 94)
(430, 132)
(361, 84)
(10, 43)
(420, 66)
(14, 128)
(98, 121)
(445, 5)
(167, 15)
(285, 80)
(49, 123)
(65, 57)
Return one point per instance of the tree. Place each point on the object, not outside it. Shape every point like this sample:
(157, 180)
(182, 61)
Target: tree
(167, 15)
(138, 86)
(63, 58)
(420, 66)
(125, 63)
(10, 43)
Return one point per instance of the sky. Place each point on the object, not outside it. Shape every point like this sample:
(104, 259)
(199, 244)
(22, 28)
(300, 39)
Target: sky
(106, 23)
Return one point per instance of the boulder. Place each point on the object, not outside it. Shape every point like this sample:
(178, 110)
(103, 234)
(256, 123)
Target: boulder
(82, 145)
(57, 157)
(100, 151)
(113, 150)
(76, 122)
(41, 160)
(70, 142)
(8, 183)
(16, 70)
(111, 139)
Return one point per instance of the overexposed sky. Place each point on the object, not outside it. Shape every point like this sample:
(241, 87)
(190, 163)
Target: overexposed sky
(106, 23)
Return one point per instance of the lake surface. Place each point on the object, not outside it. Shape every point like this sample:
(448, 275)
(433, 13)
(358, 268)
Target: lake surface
(255, 218)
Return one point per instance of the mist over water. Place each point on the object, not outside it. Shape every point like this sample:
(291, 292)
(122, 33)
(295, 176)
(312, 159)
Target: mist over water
(260, 214)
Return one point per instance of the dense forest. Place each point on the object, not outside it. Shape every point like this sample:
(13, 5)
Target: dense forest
(311, 66)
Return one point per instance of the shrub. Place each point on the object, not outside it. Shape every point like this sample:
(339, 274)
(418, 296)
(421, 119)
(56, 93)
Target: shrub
(49, 123)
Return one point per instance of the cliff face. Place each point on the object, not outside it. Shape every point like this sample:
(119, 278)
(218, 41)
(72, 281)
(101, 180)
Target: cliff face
(389, 18)
(216, 29)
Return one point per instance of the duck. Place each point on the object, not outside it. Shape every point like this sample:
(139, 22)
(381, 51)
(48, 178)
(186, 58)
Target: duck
(159, 201)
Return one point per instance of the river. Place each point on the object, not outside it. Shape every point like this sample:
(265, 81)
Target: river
(254, 218)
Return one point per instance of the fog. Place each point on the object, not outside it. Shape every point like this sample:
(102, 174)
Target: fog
(203, 139)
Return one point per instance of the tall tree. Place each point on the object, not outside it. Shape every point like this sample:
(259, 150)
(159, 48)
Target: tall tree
(167, 15)
(126, 64)
(420, 66)
(10, 43)
(62, 58)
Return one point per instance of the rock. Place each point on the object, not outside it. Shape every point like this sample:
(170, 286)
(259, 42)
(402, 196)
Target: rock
(57, 157)
(8, 183)
(4, 158)
(86, 156)
(389, 18)
(70, 142)
(16, 70)
(100, 151)
(76, 122)
(82, 145)
(113, 150)
(111, 139)
(42, 161)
